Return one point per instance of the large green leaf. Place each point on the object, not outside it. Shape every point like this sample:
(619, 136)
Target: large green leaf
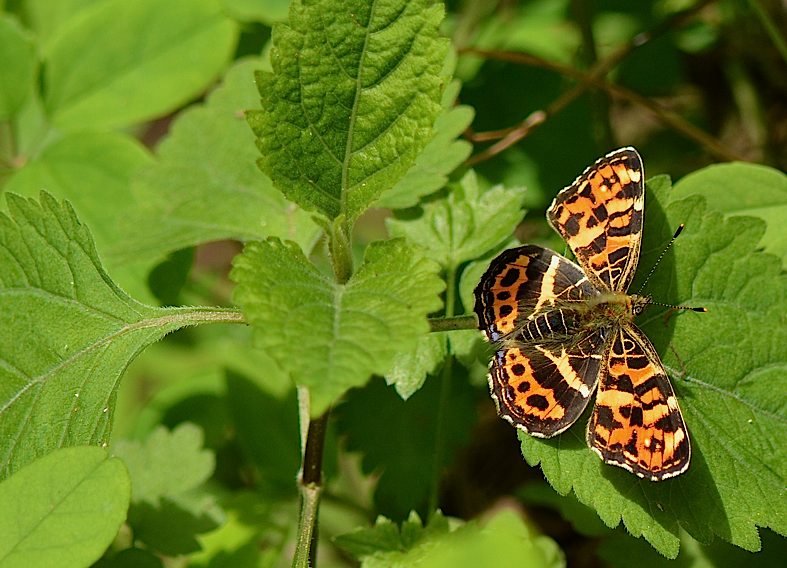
(401, 441)
(205, 186)
(329, 336)
(744, 189)
(67, 333)
(354, 92)
(725, 367)
(45, 16)
(265, 11)
(63, 509)
(122, 62)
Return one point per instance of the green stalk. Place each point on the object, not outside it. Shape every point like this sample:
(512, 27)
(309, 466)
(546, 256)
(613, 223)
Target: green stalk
(445, 391)
(340, 247)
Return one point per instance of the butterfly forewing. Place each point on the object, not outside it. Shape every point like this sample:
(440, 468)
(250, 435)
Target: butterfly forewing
(522, 282)
(600, 216)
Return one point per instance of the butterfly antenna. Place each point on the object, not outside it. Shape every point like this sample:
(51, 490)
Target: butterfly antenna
(678, 231)
(661, 256)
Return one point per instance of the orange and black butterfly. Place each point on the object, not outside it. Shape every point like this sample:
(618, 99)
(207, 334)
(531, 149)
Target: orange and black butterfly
(562, 330)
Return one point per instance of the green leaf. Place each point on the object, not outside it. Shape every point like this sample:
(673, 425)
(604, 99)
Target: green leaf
(166, 469)
(442, 155)
(63, 509)
(618, 550)
(67, 333)
(205, 186)
(267, 429)
(94, 172)
(744, 189)
(130, 558)
(386, 536)
(504, 538)
(724, 365)
(399, 440)
(167, 463)
(349, 331)
(463, 225)
(410, 368)
(354, 93)
(17, 73)
(121, 62)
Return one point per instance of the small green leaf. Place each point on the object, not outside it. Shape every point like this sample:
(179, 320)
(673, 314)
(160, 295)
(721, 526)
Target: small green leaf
(409, 369)
(67, 333)
(724, 365)
(17, 72)
(63, 509)
(386, 536)
(328, 336)
(166, 512)
(744, 189)
(442, 155)
(205, 186)
(463, 225)
(354, 93)
(124, 62)
(167, 463)
(504, 538)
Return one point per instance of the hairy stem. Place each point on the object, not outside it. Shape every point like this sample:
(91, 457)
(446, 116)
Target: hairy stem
(311, 489)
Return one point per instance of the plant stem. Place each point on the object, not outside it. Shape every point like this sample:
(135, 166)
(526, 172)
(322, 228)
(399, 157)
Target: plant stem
(445, 391)
(311, 489)
(310, 478)
(770, 28)
(453, 323)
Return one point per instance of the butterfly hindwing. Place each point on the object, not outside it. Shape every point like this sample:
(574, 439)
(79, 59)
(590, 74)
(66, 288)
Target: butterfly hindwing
(636, 423)
(543, 388)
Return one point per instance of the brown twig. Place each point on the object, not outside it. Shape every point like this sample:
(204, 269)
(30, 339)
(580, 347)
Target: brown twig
(595, 78)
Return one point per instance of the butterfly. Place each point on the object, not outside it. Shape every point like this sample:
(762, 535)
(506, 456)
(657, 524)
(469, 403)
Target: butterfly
(563, 330)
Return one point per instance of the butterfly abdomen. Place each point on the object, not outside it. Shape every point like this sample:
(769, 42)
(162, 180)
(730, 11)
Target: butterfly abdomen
(551, 324)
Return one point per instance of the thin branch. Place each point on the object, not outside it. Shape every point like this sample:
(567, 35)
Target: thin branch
(595, 79)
